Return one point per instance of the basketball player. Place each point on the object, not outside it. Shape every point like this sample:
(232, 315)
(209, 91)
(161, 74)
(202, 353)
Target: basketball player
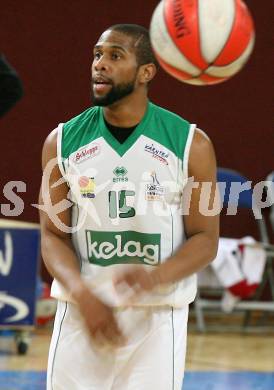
(125, 276)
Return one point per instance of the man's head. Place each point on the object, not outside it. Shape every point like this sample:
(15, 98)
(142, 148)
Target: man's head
(123, 62)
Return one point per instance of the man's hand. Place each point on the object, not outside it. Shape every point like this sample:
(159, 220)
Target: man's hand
(138, 280)
(100, 320)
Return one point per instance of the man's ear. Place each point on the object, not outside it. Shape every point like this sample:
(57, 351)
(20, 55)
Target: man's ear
(147, 73)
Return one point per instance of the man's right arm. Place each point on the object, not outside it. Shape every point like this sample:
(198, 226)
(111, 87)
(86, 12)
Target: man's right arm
(56, 246)
(58, 252)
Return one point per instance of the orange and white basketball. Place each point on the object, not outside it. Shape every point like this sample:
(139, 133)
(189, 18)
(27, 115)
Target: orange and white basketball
(202, 42)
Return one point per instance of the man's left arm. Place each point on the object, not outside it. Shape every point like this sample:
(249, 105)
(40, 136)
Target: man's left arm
(201, 229)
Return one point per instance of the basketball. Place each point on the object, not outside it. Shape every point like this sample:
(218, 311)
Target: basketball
(202, 42)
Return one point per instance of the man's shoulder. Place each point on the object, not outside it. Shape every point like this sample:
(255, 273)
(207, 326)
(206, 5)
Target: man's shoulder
(80, 130)
(169, 116)
(83, 118)
(169, 130)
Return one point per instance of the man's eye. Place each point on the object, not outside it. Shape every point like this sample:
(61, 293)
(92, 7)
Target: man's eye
(116, 56)
(97, 55)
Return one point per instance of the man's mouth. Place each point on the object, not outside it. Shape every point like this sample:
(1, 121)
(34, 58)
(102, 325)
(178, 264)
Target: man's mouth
(101, 87)
(101, 84)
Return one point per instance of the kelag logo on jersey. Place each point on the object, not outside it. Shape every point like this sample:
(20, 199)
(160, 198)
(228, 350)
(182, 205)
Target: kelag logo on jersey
(127, 247)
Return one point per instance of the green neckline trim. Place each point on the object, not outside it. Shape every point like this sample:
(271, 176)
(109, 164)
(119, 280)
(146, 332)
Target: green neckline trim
(121, 149)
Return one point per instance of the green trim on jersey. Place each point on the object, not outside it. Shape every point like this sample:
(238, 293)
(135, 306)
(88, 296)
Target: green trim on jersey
(121, 149)
(176, 131)
(80, 131)
(158, 124)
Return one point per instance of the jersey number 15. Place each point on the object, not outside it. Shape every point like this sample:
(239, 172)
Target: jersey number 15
(118, 204)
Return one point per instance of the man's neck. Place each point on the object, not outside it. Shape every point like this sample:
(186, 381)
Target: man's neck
(127, 112)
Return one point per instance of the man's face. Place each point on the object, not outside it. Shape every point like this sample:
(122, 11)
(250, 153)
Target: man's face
(114, 68)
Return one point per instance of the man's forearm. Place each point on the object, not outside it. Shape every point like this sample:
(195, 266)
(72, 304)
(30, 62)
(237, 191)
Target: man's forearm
(196, 253)
(62, 263)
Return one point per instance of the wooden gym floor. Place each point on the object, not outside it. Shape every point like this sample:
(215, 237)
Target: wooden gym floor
(214, 362)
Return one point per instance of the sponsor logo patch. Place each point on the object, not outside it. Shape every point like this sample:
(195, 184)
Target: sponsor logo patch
(126, 247)
(86, 153)
(154, 190)
(120, 175)
(157, 153)
(87, 186)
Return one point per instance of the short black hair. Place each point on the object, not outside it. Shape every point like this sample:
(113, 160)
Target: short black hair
(143, 48)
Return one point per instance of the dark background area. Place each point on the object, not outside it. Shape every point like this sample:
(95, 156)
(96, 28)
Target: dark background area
(50, 44)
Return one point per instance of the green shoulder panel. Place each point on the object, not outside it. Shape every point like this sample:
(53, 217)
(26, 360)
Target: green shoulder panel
(80, 131)
(170, 130)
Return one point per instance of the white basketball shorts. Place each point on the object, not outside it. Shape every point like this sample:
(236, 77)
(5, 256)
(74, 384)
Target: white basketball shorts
(154, 357)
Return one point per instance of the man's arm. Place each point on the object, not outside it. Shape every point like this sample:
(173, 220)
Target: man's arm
(202, 231)
(57, 251)
(59, 255)
(11, 89)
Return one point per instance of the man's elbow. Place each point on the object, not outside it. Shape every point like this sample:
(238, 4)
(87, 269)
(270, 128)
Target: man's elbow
(212, 247)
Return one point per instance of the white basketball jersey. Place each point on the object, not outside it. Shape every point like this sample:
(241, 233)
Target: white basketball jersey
(126, 200)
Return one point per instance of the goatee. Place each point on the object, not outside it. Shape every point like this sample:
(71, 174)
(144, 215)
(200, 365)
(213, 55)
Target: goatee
(116, 93)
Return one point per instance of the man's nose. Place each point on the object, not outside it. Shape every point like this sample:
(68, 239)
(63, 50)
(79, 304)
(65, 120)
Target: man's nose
(101, 64)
